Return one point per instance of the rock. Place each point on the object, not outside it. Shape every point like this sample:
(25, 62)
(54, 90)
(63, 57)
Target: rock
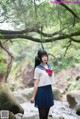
(65, 79)
(27, 75)
(28, 92)
(73, 98)
(8, 101)
(24, 95)
(21, 98)
(57, 93)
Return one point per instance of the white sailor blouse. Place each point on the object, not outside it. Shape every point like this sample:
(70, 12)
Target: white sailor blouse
(45, 75)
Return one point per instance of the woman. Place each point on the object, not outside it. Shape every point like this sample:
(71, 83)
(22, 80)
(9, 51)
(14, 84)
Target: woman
(43, 78)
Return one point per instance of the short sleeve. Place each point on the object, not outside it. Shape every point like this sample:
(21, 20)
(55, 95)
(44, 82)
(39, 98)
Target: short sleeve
(36, 73)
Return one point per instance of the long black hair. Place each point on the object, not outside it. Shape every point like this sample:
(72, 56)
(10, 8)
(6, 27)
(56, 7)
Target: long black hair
(38, 58)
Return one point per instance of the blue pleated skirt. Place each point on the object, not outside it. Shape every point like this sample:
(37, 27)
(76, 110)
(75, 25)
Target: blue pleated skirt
(44, 97)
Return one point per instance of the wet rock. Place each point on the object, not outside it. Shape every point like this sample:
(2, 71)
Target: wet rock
(8, 101)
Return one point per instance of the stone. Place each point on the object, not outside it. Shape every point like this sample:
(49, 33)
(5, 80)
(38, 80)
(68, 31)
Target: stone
(73, 98)
(57, 94)
(8, 100)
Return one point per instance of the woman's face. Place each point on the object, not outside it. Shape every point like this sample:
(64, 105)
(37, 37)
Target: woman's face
(44, 59)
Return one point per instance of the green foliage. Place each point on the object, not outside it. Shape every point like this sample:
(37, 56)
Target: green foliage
(24, 53)
(61, 60)
(64, 63)
(27, 50)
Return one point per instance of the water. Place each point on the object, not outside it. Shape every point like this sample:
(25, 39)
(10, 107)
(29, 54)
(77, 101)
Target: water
(60, 110)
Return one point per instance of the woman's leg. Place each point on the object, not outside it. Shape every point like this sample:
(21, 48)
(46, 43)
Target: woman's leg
(43, 113)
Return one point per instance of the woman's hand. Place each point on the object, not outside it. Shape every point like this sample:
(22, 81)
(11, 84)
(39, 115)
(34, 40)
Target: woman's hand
(32, 100)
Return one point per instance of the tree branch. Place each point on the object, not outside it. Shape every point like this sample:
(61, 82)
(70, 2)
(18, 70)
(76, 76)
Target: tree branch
(10, 63)
(71, 11)
(5, 50)
(9, 66)
(66, 7)
(67, 47)
(48, 35)
(72, 39)
(30, 30)
(23, 36)
(27, 30)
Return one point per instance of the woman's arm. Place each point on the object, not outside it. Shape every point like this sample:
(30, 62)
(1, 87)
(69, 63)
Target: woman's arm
(35, 90)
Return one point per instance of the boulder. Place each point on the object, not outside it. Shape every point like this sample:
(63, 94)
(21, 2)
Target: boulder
(73, 99)
(8, 100)
(57, 94)
(27, 93)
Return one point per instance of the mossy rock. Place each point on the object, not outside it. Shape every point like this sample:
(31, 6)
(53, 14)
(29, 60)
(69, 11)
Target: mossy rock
(8, 100)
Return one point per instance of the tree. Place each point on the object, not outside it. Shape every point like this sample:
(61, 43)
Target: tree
(35, 18)
(32, 19)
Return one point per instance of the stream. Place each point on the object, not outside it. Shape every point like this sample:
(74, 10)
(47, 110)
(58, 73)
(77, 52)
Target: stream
(60, 110)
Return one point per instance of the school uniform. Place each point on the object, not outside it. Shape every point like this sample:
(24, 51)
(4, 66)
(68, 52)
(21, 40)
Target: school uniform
(44, 96)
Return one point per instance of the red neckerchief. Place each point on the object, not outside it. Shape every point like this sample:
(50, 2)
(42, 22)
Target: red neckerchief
(49, 71)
